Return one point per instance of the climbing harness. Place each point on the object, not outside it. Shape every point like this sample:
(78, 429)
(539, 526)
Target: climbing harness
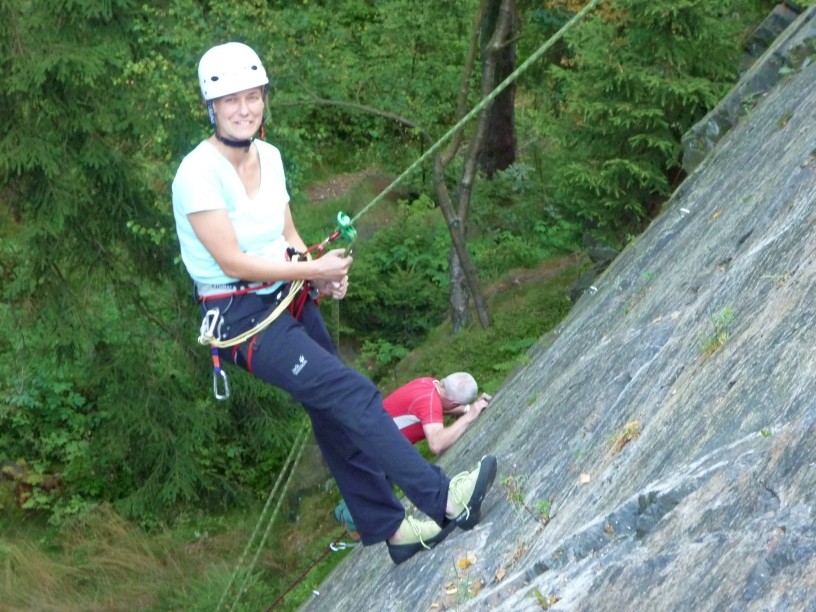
(211, 324)
(294, 300)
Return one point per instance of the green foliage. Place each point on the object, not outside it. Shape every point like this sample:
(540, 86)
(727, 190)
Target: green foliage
(514, 222)
(398, 288)
(102, 384)
(378, 354)
(522, 311)
(376, 54)
(514, 490)
(637, 81)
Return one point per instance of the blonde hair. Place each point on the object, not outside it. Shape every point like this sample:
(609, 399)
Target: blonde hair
(460, 387)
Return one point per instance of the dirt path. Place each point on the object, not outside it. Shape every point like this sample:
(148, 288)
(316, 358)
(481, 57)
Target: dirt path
(336, 186)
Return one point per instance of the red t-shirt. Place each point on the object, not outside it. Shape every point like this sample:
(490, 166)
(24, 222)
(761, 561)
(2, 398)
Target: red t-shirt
(414, 405)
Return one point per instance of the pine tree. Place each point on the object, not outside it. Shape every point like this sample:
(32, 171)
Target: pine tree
(102, 381)
(642, 72)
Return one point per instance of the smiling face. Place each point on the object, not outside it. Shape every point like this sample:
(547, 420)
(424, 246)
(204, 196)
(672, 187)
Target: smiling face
(238, 116)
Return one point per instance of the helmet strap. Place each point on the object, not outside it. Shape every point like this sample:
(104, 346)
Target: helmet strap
(238, 144)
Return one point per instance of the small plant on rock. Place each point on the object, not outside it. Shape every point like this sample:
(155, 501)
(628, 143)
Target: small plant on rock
(514, 489)
(721, 324)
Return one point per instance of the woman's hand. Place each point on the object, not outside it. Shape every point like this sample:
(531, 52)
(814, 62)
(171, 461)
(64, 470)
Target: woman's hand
(332, 278)
(335, 289)
(333, 267)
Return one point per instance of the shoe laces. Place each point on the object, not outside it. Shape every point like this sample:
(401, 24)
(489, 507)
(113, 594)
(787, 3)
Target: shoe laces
(453, 490)
(415, 527)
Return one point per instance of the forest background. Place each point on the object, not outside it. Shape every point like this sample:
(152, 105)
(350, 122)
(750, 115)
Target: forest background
(107, 419)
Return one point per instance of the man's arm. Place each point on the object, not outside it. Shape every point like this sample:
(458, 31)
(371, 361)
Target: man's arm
(460, 410)
(441, 438)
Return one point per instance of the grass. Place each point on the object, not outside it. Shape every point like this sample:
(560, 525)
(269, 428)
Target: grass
(629, 432)
(106, 563)
(514, 490)
(522, 313)
(103, 564)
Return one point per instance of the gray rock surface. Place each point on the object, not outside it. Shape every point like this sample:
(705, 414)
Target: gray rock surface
(670, 420)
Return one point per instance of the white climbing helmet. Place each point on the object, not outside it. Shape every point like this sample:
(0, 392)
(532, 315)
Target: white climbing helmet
(229, 68)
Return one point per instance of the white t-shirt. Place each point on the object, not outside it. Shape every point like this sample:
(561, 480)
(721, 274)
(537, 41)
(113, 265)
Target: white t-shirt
(206, 180)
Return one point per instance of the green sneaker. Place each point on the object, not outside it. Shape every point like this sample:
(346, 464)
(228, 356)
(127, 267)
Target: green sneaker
(467, 490)
(416, 535)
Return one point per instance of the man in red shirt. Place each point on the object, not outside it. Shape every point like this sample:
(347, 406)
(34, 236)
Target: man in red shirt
(419, 409)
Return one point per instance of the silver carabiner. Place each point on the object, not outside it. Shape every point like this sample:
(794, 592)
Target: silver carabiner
(208, 324)
(223, 376)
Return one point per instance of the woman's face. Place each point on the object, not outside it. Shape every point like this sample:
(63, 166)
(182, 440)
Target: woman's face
(239, 115)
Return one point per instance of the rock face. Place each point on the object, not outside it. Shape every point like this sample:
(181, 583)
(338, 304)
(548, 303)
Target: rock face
(670, 421)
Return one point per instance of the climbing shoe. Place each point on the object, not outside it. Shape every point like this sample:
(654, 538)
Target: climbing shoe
(467, 490)
(416, 535)
(342, 514)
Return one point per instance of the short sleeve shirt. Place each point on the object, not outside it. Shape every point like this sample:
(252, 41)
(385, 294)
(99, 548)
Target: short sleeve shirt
(413, 405)
(206, 180)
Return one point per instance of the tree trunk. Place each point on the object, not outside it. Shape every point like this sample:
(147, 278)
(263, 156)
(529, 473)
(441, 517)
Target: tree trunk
(499, 147)
(470, 286)
(498, 50)
(502, 26)
(459, 295)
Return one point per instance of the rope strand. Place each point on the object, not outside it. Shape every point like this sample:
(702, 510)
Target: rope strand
(299, 445)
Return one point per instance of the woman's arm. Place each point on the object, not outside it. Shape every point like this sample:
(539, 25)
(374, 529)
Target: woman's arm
(214, 229)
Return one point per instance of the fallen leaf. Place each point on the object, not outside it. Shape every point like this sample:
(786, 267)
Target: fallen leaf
(500, 574)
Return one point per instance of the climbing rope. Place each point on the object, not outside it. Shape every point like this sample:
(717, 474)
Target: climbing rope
(299, 445)
(335, 546)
